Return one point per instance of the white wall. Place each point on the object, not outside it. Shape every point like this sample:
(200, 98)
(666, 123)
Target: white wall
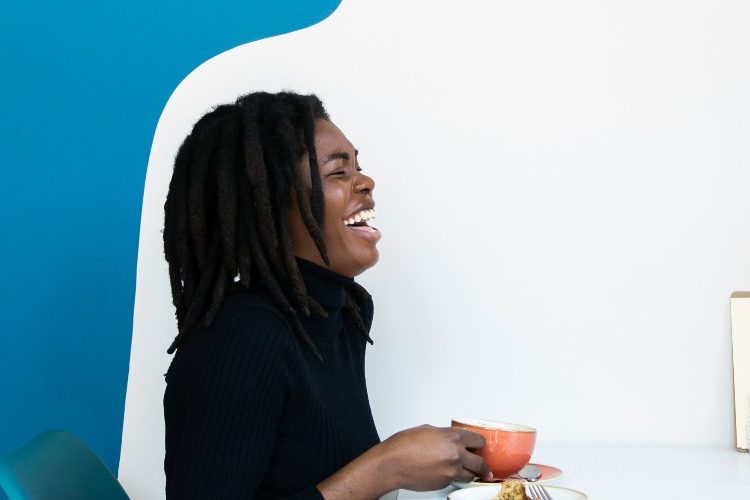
(563, 195)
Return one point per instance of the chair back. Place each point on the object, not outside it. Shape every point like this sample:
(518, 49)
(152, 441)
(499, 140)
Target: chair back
(56, 465)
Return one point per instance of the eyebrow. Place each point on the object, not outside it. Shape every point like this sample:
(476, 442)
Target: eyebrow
(340, 155)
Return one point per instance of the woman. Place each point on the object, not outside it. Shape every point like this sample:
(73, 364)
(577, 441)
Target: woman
(266, 226)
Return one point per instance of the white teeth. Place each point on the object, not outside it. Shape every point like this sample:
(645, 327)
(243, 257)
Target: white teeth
(364, 215)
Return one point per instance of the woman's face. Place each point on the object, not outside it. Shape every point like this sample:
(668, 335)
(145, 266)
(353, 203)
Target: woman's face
(347, 193)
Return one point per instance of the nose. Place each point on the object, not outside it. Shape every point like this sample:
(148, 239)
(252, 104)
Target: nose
(364, 184)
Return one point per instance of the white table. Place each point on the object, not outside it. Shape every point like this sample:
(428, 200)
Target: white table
(608, 473)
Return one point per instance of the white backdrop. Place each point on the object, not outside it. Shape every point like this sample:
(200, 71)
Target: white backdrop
(562, 189)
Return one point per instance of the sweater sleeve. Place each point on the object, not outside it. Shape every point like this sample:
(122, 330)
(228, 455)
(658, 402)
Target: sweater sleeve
(232, 386)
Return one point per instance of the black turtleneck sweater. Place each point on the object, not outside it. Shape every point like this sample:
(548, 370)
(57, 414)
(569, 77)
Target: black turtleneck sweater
(251, 413)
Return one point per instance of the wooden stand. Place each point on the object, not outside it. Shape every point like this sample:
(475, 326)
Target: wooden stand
(740, 306)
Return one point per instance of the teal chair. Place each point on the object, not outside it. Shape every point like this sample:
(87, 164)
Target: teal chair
(56, 465)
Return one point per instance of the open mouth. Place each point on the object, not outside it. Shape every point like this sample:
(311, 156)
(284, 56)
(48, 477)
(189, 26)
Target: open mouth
(359, 223)
(360, 219)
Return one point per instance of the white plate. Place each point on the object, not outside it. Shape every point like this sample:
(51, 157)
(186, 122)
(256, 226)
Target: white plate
(490, 492)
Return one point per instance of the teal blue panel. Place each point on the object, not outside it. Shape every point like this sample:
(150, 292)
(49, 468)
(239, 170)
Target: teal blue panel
(82, 85)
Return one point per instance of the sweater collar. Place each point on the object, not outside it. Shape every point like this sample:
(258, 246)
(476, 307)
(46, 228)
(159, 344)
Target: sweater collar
(325, 286)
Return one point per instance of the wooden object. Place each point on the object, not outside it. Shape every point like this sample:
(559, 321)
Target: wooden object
(740, 310)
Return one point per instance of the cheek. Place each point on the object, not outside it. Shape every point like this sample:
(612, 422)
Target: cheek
(334, 201)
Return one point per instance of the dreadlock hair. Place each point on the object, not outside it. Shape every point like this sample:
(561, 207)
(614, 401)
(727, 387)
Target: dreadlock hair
(225, 215)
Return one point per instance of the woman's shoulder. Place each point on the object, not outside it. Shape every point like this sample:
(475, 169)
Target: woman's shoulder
(247, 327)
(246, 320)
(254, 313)
(253, 303)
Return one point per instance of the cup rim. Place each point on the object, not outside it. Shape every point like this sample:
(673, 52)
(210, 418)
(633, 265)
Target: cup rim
(492, 425)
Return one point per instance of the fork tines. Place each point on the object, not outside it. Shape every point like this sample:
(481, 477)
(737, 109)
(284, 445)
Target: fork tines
(538, 492)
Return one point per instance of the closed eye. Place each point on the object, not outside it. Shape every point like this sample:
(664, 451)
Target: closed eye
(342, 172)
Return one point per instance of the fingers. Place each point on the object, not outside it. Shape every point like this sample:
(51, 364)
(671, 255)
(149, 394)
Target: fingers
(476, 465)
(471, 461)
(465, 476)
(470, 439)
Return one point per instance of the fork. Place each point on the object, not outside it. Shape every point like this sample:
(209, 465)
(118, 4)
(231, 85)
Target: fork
(538, 492)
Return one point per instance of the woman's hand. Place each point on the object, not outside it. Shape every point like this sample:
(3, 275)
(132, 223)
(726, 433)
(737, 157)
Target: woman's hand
(421, 459)
(430, 458)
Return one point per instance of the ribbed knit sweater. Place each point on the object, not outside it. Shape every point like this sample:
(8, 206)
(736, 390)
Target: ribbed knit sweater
(251, 413)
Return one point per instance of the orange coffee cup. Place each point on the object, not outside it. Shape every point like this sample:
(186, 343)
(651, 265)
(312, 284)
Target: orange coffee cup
(508, 446)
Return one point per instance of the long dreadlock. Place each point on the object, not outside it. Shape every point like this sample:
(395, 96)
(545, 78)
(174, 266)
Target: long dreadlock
(225, 215)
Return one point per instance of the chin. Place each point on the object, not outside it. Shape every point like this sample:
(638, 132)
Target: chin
(370, 262)
(354, 265)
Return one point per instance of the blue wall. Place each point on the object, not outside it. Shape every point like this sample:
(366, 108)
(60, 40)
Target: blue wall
(82, 88)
